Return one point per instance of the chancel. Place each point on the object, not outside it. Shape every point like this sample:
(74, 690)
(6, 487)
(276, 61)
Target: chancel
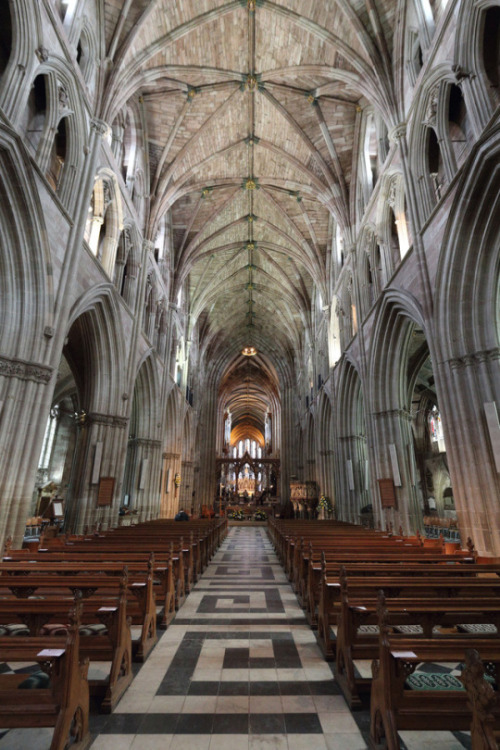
(249, 268)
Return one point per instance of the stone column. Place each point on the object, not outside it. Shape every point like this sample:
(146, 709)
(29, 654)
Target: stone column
(468, 383)
(148, 473)
(25, 402)
(205, 485)
(26, 387)
(393, 428)
(100, 452)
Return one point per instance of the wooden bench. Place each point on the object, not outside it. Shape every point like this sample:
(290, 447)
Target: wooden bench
(111, 644)
(321, 567)
(364, 589)
(357, 634)
(164, 588)
(394, 706)
(64, 704)
(98, 590)
(482, 699)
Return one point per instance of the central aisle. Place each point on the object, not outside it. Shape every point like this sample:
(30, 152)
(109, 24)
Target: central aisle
(238, 668)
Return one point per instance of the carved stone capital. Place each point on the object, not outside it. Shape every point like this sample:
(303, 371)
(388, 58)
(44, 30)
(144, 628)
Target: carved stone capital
(109, 420)
(146, 442)
(42, 53)
(398, 132)
(148, 246)
(23, 370)
(476, 358)
(400, 413)
(101, 128)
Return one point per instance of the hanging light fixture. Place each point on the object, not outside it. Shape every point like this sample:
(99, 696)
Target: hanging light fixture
(249, 351)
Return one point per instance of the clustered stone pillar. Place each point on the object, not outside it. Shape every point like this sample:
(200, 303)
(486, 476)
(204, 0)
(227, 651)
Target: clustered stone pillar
(100, 453)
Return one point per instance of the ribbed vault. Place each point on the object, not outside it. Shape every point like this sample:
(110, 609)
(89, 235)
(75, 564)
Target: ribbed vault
(251, 110)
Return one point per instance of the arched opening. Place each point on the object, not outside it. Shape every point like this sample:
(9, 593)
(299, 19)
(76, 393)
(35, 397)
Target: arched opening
(36, 112)
(435, 167)
(187, 495)
(334, 340)
(377, 269)
(310, 451)
(432, 476)
(128, 148)
(459, 129)
(491, 45)
(367, 280)
(104, 222)
(56, 461)
(326, 475)
(5, 35)
(83, 53)
(394, 240)
(58, 154)
(352, 480)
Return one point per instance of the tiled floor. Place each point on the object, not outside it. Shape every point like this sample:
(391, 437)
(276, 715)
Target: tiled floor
(238, 669)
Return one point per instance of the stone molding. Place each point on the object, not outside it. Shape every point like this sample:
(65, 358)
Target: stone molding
(23, 370)
(401, 413)
(488, 355)
(146, 442)
(108, 420)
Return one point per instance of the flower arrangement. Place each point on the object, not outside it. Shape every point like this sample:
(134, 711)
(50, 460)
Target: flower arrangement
(260, 515)
(237, 515)
(325, 504)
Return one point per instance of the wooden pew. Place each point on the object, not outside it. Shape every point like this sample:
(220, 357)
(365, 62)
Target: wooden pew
(404, 614)
(112, 645)
(395, 707)
(321, 566)
(98, 590)
(64, 704)
(164, 589)
(483, 702)
(167, 573)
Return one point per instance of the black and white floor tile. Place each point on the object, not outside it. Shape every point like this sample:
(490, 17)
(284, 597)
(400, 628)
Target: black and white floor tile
(238, 669)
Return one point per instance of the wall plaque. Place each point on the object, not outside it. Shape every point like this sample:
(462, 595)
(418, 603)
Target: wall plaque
(387, 493)
(106, 489)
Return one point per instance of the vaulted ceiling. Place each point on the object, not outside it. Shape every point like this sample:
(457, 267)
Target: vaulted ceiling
(251, 110)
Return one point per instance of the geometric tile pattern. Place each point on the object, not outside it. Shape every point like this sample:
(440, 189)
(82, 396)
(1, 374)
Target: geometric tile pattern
(238, 669)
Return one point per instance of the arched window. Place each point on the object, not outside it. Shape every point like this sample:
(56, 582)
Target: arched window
(85, 56)
(48, 439)
(5, 35)
(370, 152)
(339, 246)
(129, 149)
(436, 433)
